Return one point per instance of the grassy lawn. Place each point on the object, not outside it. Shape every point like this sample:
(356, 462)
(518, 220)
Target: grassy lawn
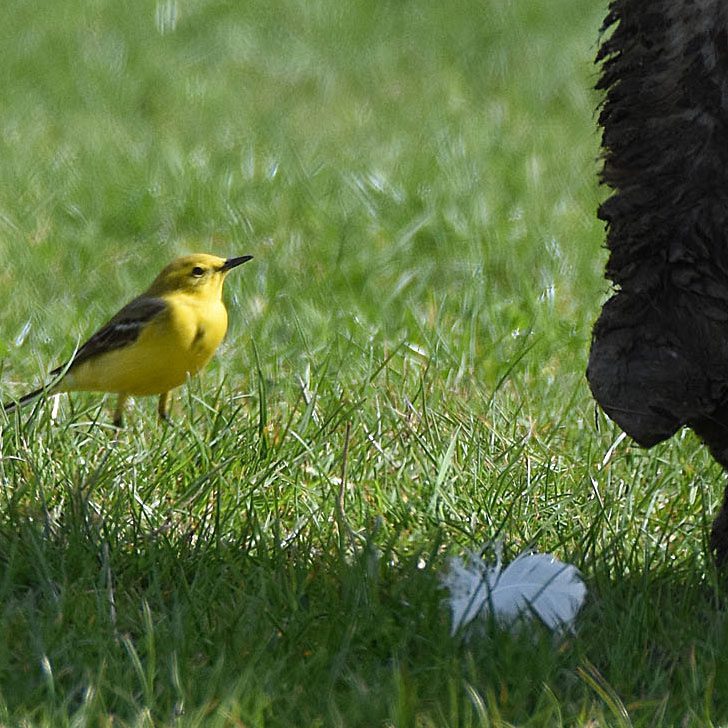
(417, 183)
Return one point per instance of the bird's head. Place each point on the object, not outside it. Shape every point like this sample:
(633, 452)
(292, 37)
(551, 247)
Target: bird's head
(198, 275)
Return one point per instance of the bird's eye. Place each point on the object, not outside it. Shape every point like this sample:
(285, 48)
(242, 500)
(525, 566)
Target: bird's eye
(198, 272)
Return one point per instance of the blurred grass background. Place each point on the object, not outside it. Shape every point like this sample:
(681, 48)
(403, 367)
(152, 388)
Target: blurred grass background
(417, 183)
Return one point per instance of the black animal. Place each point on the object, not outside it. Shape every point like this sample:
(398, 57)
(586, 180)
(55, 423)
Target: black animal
(659, 354)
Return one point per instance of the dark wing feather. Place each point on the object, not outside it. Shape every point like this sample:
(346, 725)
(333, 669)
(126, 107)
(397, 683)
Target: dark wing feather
(122, 330)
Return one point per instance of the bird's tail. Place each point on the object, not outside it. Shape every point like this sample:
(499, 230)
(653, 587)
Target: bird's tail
(15, 404)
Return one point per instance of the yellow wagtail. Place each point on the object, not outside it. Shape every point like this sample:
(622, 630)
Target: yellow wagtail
(157, 340)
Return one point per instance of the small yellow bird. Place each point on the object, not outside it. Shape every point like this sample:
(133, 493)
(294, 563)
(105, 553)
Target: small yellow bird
(157, 340)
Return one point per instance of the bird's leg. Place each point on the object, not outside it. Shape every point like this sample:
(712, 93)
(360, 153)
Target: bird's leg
(119, 411)
(162, 406)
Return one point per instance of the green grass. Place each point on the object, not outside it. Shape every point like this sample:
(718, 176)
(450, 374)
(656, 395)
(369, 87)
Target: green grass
(416, 181)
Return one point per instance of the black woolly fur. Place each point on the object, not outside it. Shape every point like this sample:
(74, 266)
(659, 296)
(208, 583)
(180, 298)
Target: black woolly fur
(659, 355)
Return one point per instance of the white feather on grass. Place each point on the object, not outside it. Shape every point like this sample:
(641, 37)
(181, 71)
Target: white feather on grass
(531, 585)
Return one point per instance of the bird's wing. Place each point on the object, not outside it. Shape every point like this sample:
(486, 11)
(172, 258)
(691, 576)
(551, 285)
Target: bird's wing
(123, 329)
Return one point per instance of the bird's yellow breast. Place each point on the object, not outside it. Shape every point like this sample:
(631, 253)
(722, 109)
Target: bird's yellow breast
(170, 348)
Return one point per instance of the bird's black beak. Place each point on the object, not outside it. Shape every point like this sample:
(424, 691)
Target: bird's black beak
(231, 263)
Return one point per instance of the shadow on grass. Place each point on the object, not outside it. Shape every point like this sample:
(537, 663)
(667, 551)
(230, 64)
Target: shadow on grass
(655, 642)
(286, 629)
